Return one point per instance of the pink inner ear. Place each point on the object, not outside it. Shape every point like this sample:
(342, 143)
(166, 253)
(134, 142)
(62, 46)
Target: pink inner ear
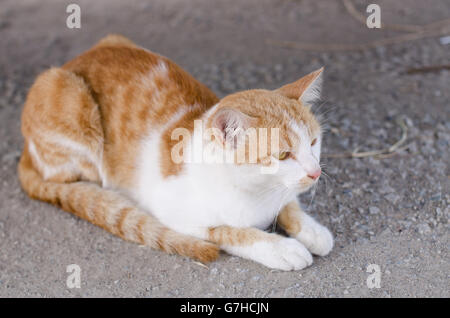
(221, 123)
(229, 120)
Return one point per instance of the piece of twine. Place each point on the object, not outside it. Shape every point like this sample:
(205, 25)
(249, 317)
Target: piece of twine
(414, 32)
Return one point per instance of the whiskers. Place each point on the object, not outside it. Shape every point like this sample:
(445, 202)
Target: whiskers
(274, 197)
(313, 194)
(272, 189)
(325, 176)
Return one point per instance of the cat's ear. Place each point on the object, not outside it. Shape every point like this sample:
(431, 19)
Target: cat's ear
(231, 124)
(306, 89)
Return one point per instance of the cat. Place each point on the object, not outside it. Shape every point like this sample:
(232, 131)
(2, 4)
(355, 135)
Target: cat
(99, 143)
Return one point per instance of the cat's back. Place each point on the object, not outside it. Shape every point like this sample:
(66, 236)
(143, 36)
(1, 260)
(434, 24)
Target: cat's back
(134, 79)
(108, 100)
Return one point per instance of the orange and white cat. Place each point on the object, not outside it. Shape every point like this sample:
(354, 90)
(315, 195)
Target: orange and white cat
(99, 143)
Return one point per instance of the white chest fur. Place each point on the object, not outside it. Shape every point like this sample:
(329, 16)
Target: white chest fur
(203, 195)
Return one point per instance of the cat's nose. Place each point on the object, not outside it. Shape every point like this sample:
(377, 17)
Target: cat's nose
(315, 174)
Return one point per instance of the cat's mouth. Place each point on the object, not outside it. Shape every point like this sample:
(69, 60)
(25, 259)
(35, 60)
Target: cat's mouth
(306, 182)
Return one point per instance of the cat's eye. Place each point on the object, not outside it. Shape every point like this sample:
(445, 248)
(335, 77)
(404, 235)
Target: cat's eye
(282, 155)
(314, 142)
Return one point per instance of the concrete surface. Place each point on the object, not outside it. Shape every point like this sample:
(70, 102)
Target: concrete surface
(391, 212)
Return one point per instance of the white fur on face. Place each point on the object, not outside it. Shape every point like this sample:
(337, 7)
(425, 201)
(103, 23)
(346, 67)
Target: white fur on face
(306, 158)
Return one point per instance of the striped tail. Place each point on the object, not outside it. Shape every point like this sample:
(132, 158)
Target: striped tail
(113, 212)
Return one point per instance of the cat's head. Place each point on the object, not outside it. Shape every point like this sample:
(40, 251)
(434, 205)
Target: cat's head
(283, 115)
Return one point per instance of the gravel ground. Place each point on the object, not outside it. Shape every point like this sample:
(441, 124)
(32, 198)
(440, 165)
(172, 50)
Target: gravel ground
(392, 212)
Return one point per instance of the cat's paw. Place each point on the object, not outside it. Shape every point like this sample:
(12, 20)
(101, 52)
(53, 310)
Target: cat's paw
(286, 254)
(316, 237)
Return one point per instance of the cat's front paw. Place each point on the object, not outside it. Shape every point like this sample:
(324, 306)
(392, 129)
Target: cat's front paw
(316, 237)
(286, 254)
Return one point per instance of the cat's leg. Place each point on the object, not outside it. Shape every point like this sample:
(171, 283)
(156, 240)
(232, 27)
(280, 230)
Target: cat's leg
(316, 237)
(269, 249)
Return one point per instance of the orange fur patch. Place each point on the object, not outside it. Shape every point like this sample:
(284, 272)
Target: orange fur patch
(232, 236)
(289, 218)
